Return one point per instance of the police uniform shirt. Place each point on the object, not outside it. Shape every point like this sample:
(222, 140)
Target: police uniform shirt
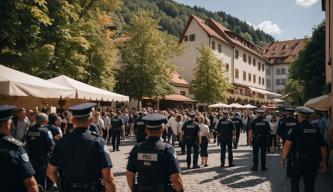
(116, 123)
(93, 128)
(39, 141)
(81, 155)
(225, 128)
(238, 123)
(260, 127)
(54, 130)
(139, 127)
(14, 164)
(154, 161)
(306, 138)
(191, 129)
(286, 125)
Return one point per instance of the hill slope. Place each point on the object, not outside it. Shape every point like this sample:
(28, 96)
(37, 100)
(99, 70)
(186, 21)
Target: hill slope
(173, 17)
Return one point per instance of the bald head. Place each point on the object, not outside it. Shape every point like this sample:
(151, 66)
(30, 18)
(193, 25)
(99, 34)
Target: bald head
(42, 119)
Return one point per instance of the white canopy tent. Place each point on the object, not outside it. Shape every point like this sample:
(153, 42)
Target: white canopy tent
(219, 105)
(321, 103)
(249, 106)
(16, 83)
(85, 91)
(236, 105)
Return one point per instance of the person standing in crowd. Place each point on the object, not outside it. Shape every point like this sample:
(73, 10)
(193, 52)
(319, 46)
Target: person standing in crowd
(107, 125)
(39, 144)
(32, 117)
(308, 149)
(288, 123)
(180, 136)
(55, 130)
(139, 127)
(116, 128)
(174, 125)
(258, 137)
(17, 173)
(205, 139)
(227, 131)
(131, 120)
(237, 121)
(21, 124)
(323, 123)
(98, 121)
(273, 124)
(192, 138)
(124, 117)
(69, 127)
(154, 161)
(82, 156)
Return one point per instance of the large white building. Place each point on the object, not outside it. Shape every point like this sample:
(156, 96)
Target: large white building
(280, 56)
(241, 59)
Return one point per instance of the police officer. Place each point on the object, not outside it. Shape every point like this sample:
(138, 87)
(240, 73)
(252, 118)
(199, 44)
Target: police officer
(288, 123)
(259, 137)
(82, 156)
(56, 131)
(309, 151)
(192, 138)
(17, 173)
(116, 128)
(154, 161)
(227, 132)
(39, 144)
(139, 127)
(237, 121)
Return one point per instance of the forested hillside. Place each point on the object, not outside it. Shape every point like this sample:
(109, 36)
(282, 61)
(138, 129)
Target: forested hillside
(173, 17)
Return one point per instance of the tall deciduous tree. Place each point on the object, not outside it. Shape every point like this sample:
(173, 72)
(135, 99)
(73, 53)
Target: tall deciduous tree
(307, 73)
(210, 81)
(147, 59)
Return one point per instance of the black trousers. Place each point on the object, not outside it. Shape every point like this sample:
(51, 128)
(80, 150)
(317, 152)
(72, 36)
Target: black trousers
(262, 146)
(40, 168)
(189, 146)
(116, 138)
(237, 138)
(204, 147)
(226, 143)
(305, 167)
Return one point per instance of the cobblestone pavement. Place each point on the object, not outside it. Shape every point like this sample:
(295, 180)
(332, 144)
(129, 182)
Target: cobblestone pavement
(216, 179)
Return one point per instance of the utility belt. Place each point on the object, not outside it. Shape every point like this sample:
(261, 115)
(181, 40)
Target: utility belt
(92, 186)
(154, 188)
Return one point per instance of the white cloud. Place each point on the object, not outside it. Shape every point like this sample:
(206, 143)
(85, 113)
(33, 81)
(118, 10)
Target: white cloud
(270, 28)
(306, 3)
(255, 27)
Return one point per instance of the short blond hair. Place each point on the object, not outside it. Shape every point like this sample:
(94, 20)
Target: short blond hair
(201, 119)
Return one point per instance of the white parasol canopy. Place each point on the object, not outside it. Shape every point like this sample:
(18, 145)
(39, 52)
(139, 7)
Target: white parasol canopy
(321, 103)
(249, 106)
(16, 83)
(219, 105)
(85, 91)
(236, 105)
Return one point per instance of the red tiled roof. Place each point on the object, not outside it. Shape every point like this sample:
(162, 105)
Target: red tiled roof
(178, 80)
(287, 50)
(177, 97)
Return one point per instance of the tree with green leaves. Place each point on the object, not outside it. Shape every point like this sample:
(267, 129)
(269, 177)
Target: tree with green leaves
(307, 73)
(210, 82)
(147, 59)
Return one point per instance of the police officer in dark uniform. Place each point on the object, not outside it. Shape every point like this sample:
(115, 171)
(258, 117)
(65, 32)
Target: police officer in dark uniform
(16, 171)
(236, 120)
(309, 151)
(154, 161)
(227, 131)
(82, 156)
(116, 124)
(288, 123)
(139, 127)
(259, 137)
(192, 138)
(53, 128)
(39, 144)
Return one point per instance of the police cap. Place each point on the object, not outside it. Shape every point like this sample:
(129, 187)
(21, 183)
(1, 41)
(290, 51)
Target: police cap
(304, 110)
(154, 121)
(260, 111)
(6, 112)
(82, 110)
(289, 109)
(192, 114)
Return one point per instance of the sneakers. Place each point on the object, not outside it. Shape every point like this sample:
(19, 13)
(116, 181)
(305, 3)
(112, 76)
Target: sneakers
(254, 168)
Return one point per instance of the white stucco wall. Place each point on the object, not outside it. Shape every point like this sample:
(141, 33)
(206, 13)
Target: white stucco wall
(275, 76)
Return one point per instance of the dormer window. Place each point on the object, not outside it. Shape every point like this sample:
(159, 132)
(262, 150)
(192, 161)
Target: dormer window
(285, 47)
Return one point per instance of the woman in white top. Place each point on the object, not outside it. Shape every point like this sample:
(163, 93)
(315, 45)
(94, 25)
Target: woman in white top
(205, 139)
(273, 124)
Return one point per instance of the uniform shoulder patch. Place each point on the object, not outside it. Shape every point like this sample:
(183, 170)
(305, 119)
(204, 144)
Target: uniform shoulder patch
(106, 149)
(13, 141)
(49, 134)
(25, 157)
(95, 133)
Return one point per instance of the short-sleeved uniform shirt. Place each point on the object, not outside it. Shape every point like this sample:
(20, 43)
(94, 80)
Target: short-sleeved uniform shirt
(139, 127)
(225, 128)
(15, 165)
(306, 138)
(238, 124)
(191, 130)
(261, 128)
(154, 161)
(81, 155)
(286, 125)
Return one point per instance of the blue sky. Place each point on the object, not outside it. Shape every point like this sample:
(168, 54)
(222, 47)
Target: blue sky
(283, 19)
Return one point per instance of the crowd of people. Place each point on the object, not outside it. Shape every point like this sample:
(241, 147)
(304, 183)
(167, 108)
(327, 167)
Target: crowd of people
(44, 133)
